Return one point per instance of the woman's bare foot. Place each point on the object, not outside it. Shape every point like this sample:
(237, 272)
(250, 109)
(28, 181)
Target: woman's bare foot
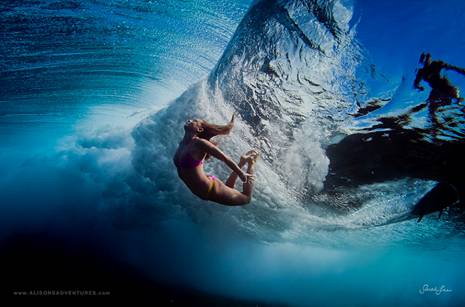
(250, 157)
(245, 157)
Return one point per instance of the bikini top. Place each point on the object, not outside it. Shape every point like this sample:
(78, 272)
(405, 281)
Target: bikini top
(188, 162)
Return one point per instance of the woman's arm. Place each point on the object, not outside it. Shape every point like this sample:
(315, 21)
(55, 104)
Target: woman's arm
(214, 151)
(455, 68)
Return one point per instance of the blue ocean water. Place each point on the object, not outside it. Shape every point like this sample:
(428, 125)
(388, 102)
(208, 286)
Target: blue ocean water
(93, 95)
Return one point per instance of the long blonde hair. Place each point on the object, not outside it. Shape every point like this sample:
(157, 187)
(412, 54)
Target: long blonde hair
(211, 130)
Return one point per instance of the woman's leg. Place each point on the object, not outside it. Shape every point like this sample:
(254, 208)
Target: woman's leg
(247, 187)
(231, 197)
(231, 181)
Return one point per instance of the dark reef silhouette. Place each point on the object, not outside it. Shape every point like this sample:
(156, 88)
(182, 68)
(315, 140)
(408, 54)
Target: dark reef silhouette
(378, 156)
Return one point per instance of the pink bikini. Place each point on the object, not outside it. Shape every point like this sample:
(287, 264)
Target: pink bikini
(189, 162)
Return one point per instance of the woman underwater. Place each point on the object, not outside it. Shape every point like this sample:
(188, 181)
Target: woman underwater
(195, 147)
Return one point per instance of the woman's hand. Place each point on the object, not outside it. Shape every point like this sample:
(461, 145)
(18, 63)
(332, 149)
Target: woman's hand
(246, 177)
